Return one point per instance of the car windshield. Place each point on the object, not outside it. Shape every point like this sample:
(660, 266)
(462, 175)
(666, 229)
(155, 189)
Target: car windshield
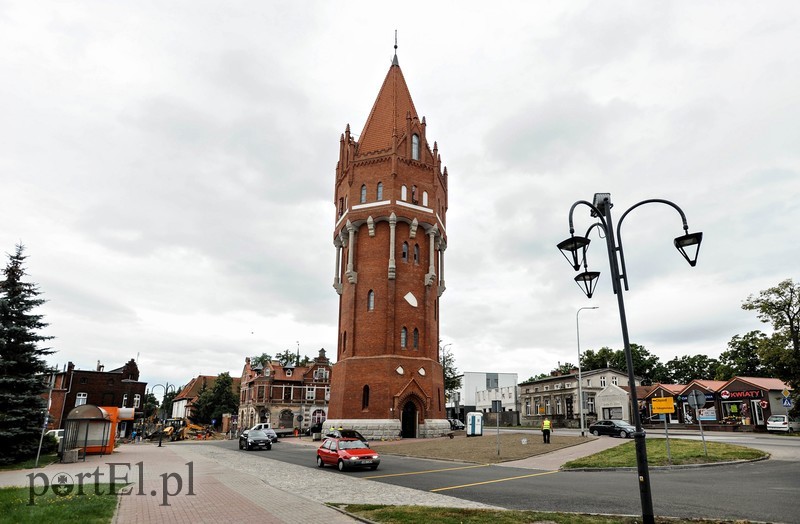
(775, 418)
(256, 433)
(352, 444)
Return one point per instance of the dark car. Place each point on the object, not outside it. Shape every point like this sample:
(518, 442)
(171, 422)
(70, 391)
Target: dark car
(255, 439)
(315, 428)
(345, 453)
(456, 424)
(345, 433)
(615, 428)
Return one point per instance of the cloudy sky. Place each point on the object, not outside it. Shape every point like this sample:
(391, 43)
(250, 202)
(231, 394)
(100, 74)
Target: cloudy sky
(170, 169)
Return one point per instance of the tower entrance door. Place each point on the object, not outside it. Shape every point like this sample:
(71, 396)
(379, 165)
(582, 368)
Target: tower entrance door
(409, 422)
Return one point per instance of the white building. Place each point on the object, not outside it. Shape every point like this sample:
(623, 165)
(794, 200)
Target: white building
(477, 391)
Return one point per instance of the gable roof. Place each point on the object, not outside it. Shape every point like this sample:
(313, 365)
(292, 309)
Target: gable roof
(388, 114)
(191, 390)
(772, 384)
(708, 385)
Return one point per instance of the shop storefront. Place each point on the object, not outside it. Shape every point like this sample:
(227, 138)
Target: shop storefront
(746, 400)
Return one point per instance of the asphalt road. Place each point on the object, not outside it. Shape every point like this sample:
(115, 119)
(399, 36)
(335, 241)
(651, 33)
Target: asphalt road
(763, 491)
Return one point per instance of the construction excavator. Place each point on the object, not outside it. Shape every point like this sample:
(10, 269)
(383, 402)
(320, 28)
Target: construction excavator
(176, 429)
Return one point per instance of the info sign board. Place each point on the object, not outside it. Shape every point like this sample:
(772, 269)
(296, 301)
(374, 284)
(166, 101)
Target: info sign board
(662, 405)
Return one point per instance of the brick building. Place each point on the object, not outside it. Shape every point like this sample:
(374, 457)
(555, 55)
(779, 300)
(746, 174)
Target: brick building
(119, 387)
(390, 203)
(278, 394)
(183, 403)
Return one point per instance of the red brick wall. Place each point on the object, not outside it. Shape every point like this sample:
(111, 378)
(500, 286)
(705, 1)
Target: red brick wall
(373, 351)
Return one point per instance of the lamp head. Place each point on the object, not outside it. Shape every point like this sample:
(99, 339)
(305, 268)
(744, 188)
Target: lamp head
(576, 247)
(689, 246)
(587, 281)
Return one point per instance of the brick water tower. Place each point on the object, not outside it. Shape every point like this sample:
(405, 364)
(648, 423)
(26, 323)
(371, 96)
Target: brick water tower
(390, 237)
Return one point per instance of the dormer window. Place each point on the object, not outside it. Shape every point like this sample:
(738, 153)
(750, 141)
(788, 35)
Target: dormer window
(415, 147)
(288, 372)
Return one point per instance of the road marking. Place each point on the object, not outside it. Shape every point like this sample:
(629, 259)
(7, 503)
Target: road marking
(493, 481)
(426, 471)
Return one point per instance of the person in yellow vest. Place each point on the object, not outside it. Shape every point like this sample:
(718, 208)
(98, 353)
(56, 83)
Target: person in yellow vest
(546, 430)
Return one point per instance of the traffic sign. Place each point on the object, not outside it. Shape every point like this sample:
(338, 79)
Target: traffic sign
(787, 402)
(662, 405)
(785, 392)
(697, 399)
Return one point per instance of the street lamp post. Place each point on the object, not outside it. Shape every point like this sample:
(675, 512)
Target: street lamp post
(166, 390)
(580, 378)
(574, 250)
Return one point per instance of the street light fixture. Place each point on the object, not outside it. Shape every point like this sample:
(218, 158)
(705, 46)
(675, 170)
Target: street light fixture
(574, 250)
(580, 378)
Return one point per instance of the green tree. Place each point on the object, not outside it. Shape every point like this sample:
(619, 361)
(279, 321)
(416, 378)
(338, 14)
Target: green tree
(452, 378)
(264, 359)
(287, 358)
(602, 358)
(780, 306)
(212, 402)
(21, 364)
(150, 405)
(690, 367)
(537, 377)
(166, 404)
(645, 364)
(742, 359)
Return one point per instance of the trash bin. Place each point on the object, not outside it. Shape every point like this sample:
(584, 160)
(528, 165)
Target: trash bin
(474, 424)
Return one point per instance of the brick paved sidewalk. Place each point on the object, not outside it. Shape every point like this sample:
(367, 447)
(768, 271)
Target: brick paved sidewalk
(168, 488)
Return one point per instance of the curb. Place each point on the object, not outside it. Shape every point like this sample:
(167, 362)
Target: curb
(669, 468)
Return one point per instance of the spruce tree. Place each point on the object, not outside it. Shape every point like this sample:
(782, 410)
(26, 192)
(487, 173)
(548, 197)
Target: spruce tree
(22, 368)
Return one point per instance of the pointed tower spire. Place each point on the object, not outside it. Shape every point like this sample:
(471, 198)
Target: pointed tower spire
(394, 60)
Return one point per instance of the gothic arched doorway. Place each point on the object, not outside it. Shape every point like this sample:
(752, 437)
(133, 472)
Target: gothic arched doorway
(409, 421)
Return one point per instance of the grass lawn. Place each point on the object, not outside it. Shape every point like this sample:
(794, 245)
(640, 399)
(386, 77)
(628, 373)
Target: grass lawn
(50, 507)
(427, 515)
(682, 451)
(44, 460)
(478, 449)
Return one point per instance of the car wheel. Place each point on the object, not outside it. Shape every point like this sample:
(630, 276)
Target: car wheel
(595, 433)
(240, 445)
(320, 464)
(373, 468)
(623, 434)
(340, 465)
(269, 445)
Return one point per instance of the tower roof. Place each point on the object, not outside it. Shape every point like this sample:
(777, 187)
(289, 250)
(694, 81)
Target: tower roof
(388, 113)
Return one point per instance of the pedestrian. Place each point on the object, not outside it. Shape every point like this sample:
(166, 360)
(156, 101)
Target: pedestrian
(133, 436)
(546, 430)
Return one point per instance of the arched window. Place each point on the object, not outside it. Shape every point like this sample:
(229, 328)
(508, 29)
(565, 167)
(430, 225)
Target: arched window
(344, 341)
(365, 398)
(403, 337)
(363, 193)
(415, 147)
(380, 191)
(370, 300)
(404, 254)
(425, 198)
(416, 338)
(404, 193)
(416, 253)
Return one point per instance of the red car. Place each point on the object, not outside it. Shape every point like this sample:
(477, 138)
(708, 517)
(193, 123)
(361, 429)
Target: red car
(347, 453)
